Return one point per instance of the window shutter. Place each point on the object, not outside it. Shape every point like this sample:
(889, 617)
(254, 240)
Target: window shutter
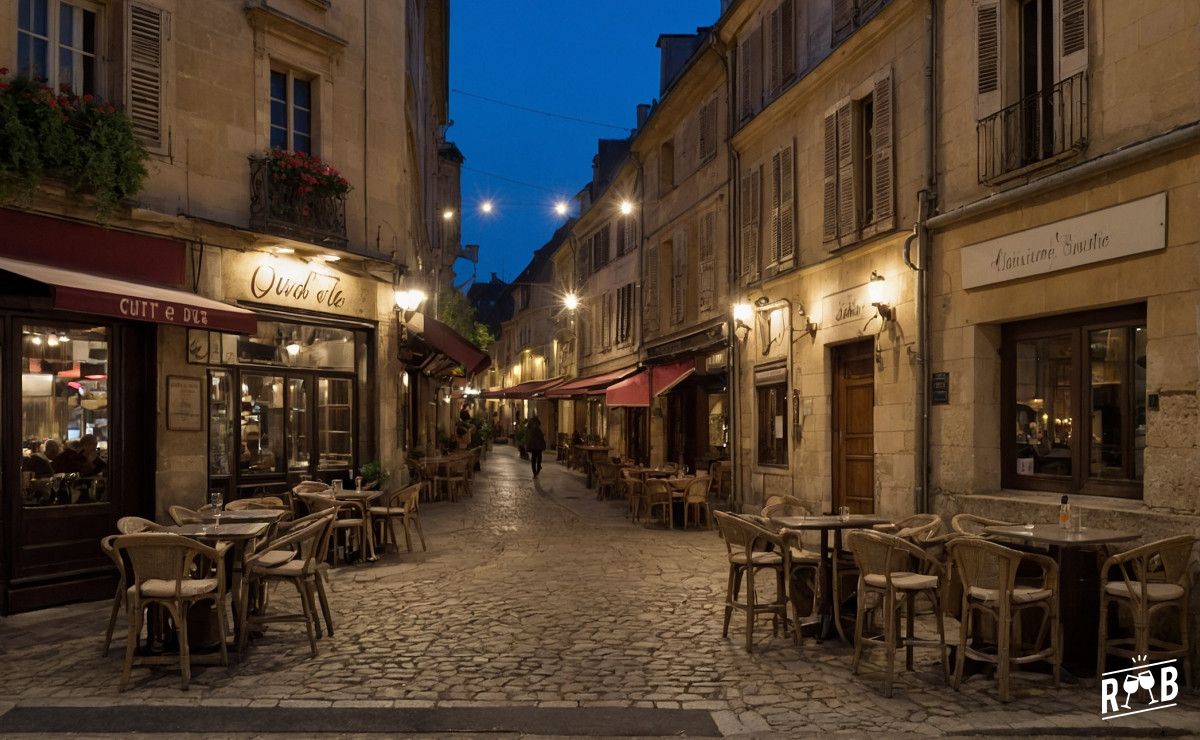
(1072, 32)
(581, 261)
(744, 77)
(774, 52)
(883, 165)
(144, 82)
(650, 288)
(751, 183)
(843, 18)
(630, 227)
(847, 206)
(787, 205)
(679, 263)
(608, 320)
(829, 228)
(605, 238)
(987, 55)
(708, 261)
(773, 257)
(787, 42)
(621, 234)
(708, 130)
(756, 70)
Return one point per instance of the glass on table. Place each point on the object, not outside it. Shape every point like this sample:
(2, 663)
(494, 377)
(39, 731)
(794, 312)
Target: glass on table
(844, 513)
(216, 500)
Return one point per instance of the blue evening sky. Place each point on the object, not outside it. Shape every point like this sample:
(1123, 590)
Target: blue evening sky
(589, 59)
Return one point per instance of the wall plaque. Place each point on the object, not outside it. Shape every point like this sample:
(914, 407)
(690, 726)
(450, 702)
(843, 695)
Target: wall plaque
(939, 389)
(1108, 234)
(185, 404)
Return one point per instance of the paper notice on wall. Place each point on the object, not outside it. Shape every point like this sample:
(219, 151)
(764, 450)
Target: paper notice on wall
(779, 427)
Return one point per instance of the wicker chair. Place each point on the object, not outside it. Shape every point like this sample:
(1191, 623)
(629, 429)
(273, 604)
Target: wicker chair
(400, 504)
(1153, 578)
(608, 480)
(125, 525)
(782, 498)
(745, 543)
(974, 525)
(347, 519)
(135, 524)
(988, 572)
(695, 498)
(163, 565)
(454, 479)
(656, 494)
(722, 475)
(183, 515)
(894, 572)
(633, 493)
(260, 502)
(309, 541)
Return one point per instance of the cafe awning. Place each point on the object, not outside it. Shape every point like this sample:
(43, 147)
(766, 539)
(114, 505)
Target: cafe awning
(592, 385)
(444, 340)
(636, 390)
(123, 299)
(524, 391)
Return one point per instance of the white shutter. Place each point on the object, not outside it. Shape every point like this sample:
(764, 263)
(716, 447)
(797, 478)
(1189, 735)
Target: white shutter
(148, 31)
(829, 227)
(883, 164)
(787, 206)
(708, 262)
(988, 82)
(1071, 34)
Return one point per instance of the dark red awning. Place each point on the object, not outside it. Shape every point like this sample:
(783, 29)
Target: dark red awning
(636, 390)
(105, 296)
(523, 391)
(591, 385)
(450, 343)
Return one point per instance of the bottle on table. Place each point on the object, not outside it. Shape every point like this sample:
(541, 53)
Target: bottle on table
(1064, 513)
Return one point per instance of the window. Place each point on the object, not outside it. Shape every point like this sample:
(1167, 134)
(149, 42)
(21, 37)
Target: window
(751, 207)
(56, 42)
(1075, 403)
(708, 262)
(750, 74)
(335, 423)
(262, 419)
(708, 130)
(849, 15)
(291, 112)
(600, 247)
(781, 47)
(859, 188)
(65, 415)
(650, 289)
(625, 314)
(772, 424)
(626, 236)
(666, 167)
(679, 277)
(783, 208)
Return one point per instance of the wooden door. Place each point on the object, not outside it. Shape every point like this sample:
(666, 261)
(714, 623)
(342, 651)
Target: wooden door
(854, 427)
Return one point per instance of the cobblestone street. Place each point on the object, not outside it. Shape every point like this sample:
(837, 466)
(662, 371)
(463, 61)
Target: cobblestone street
(537, 595)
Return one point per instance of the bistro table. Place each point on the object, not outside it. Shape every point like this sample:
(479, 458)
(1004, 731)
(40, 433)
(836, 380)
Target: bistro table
(252, 516)
(361, 500)
(1077, 554)
(825, 523)
(241, 536)
(594, 454)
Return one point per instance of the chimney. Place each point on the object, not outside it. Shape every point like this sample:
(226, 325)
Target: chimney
(643, 113)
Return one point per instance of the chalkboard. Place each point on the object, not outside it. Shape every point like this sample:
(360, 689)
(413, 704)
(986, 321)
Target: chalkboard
(939, 389)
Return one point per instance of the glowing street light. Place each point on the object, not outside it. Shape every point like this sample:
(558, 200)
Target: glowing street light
(626, 208)
(447, 214)
(561, 208)
(571, 301)
(487, 206)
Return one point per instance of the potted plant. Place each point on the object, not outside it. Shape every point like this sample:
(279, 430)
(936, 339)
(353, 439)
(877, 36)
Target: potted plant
(373, 474)
(519, 437)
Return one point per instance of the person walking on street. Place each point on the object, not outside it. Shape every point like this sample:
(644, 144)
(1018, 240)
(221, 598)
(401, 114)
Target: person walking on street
(535, 443)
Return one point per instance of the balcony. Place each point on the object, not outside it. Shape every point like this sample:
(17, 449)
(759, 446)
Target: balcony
(281, 209)
(1038, 130)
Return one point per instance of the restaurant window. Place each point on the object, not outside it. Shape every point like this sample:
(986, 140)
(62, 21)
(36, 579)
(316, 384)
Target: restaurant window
(772, 424)
(1075, 403)
(262, 423)
(65, 415)
(221, 408)
(291, 112)
(335, 423)
(56, 42)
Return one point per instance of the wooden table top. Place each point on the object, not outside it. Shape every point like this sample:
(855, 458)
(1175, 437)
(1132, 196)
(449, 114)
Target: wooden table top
(352, 495)
(1053, 534)
(232, 531)
(829, 521)
(252, 515)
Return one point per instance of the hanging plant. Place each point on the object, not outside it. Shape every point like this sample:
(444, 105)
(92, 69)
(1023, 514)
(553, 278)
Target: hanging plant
(80, 140)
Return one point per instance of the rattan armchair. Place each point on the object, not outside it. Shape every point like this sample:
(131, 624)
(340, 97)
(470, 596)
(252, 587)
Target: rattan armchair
(164, 565)
(125, 525)
(452, 477)
(973, 524)
(916, 528)
(745, 549)
(988, 572)
(695, 499)
(347, 518)
(400, 504)
(633, 494)
(893, 572)
(656, 494)
(1153, 578)
(183, 515)
(608, 480)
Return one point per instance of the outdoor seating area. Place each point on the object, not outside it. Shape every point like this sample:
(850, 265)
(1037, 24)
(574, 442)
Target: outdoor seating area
(198, 591)
(1041, 601)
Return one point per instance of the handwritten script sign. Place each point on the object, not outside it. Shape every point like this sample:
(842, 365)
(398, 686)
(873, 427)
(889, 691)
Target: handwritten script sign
(293, 283)
(845, 306)
(1108, 234)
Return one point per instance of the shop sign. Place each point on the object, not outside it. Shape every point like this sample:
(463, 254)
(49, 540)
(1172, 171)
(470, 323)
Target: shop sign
(846, 306)
(1108, 234)
(293, 283)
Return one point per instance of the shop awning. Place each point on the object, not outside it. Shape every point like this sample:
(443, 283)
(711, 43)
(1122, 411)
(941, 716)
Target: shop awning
(524, 391)
(441, 338)
(105, 296)
(591, 385)
(635, 390)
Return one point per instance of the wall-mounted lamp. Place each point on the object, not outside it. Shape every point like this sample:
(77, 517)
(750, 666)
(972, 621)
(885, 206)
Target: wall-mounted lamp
(407, 303)
(570, 301)
(808, 326)
(743, 314)
(877, 294)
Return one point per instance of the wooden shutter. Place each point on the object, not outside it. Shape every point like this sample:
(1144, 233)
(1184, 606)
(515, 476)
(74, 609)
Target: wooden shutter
(650, 288)
(744, 76)
(987, 56)
(883, 161)
(581, 261)
(844, 12)
(787, 42)
(708, 130)
(622, 232)
(148, 31)
(829, 229)
(609, 305)
(756, 70)
(751, 204)
(1071, 28)
(708, 262)
(679, 264)
(773, 256)
(847, 206)
(774, 52)
(787, 205)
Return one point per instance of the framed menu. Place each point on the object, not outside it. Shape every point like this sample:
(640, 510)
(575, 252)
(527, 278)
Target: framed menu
(185, 404)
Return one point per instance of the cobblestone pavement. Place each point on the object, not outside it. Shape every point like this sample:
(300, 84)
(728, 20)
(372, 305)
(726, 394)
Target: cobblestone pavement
(539, 595)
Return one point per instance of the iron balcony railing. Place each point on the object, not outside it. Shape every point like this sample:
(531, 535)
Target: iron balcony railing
(1047, 126)
(279, 210)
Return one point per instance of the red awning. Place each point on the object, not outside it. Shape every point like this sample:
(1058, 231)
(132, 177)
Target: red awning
(450, 343)
(105, 296)
(523, 391)
(591, 385)
(635, 391)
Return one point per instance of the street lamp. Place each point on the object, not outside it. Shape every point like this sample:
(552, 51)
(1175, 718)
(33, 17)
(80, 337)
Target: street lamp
(571, 301)
(626, 208)
(877, 294)
(407, 302)
(561, 208)
(743, 313)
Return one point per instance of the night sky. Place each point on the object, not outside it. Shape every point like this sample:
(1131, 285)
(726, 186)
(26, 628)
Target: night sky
(593, 60)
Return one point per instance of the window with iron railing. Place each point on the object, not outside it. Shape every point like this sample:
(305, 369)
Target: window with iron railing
(1045, 126)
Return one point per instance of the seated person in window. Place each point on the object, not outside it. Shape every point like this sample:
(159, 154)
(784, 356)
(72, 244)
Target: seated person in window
(82, 458)
(257, 454)
(41, 462)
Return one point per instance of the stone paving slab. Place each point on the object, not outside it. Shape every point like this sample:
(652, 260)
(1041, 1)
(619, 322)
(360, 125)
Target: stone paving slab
(535, 594)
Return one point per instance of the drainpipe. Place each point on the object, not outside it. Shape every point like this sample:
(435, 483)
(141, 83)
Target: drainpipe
(733, 361)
